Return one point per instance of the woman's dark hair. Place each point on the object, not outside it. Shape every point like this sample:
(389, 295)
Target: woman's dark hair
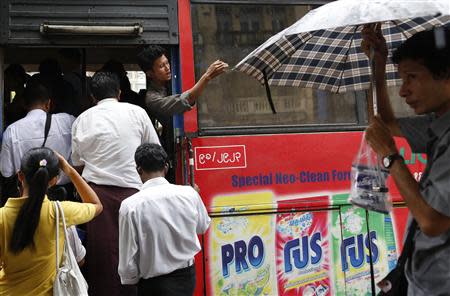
(39, 165)
(421, 47)
(150, 157)
(147, 57)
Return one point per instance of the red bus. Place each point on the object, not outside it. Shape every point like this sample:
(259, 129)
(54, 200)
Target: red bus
(276, 185)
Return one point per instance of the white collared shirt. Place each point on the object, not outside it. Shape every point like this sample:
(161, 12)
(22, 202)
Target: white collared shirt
(158, 229)
(79, 251)
(28, 133)
(104, 140)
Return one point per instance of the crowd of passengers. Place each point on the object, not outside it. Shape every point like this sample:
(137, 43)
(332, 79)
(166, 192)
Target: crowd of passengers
(92, 152)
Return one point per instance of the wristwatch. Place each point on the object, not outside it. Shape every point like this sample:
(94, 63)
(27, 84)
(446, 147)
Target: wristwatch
(389, 160)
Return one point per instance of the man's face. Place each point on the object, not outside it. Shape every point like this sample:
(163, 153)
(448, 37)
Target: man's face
(160, 71)
(421, 91)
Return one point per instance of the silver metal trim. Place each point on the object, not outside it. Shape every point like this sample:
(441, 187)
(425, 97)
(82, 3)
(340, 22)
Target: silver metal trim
(130, 30)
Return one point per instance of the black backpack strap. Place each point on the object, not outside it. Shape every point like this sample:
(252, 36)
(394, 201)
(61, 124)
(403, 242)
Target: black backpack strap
(48, 122)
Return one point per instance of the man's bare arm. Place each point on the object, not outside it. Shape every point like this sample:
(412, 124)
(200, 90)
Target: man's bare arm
(430, 221)
(373, 38)
(214, 70)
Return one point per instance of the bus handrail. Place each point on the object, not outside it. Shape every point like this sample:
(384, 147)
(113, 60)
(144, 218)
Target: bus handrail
(127, 30)
(294, 209)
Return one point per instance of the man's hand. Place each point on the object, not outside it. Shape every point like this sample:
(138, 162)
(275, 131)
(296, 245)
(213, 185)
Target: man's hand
(215, 69)
(372, 37)
(379, 138)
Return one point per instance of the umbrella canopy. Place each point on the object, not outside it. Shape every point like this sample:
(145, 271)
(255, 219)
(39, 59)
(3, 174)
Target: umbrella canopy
(323, 49)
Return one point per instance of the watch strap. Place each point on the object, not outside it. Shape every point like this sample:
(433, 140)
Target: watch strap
(392, 158)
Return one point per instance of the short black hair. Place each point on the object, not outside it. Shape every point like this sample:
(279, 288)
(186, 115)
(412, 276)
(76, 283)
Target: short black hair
(50, 67)
(35, 92)
(150, 157)
(421, 47)
(105, 85)
(17, 71)
(147, 57)
(114, 66)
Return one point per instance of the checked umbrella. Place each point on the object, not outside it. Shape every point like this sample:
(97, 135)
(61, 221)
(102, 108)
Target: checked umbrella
(322, 50)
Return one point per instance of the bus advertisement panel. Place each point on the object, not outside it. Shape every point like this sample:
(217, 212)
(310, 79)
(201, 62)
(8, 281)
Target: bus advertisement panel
(281, 220)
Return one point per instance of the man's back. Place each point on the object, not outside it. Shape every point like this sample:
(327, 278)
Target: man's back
(165, 220)
(28, 133)
(104, 140)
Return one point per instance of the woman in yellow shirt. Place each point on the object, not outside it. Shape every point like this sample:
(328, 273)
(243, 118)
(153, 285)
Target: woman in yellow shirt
(27, 224)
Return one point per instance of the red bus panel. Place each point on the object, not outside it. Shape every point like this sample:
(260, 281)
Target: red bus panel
(281, 221)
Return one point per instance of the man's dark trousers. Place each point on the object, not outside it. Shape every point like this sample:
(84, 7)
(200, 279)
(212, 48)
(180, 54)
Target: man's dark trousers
(180, 282)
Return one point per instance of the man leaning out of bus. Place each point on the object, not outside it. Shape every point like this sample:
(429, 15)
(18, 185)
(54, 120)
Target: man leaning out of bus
(162, 106)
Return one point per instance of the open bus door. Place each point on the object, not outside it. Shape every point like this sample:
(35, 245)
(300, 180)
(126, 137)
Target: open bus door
(32, 31)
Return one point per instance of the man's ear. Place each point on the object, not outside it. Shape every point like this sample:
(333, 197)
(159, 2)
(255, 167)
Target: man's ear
(139, 170)
(48, 105)
(93, 99)
(166, 168)
(149, 73)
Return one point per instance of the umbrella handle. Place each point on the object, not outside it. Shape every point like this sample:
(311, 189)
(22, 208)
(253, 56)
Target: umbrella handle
(268, 93)
(373, 82)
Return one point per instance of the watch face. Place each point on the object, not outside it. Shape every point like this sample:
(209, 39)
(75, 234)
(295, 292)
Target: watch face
(386, 162)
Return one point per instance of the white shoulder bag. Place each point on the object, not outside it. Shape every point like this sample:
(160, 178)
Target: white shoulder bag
(69, 280)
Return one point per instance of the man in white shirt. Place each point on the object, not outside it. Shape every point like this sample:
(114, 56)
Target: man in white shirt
(28, 132)
(158, 229)
(104, 139)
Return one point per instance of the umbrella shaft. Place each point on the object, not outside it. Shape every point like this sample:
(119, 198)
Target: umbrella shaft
(373, 82)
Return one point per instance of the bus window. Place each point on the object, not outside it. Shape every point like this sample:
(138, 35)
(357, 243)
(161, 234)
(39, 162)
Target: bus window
(137, 80)
(230, 32)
